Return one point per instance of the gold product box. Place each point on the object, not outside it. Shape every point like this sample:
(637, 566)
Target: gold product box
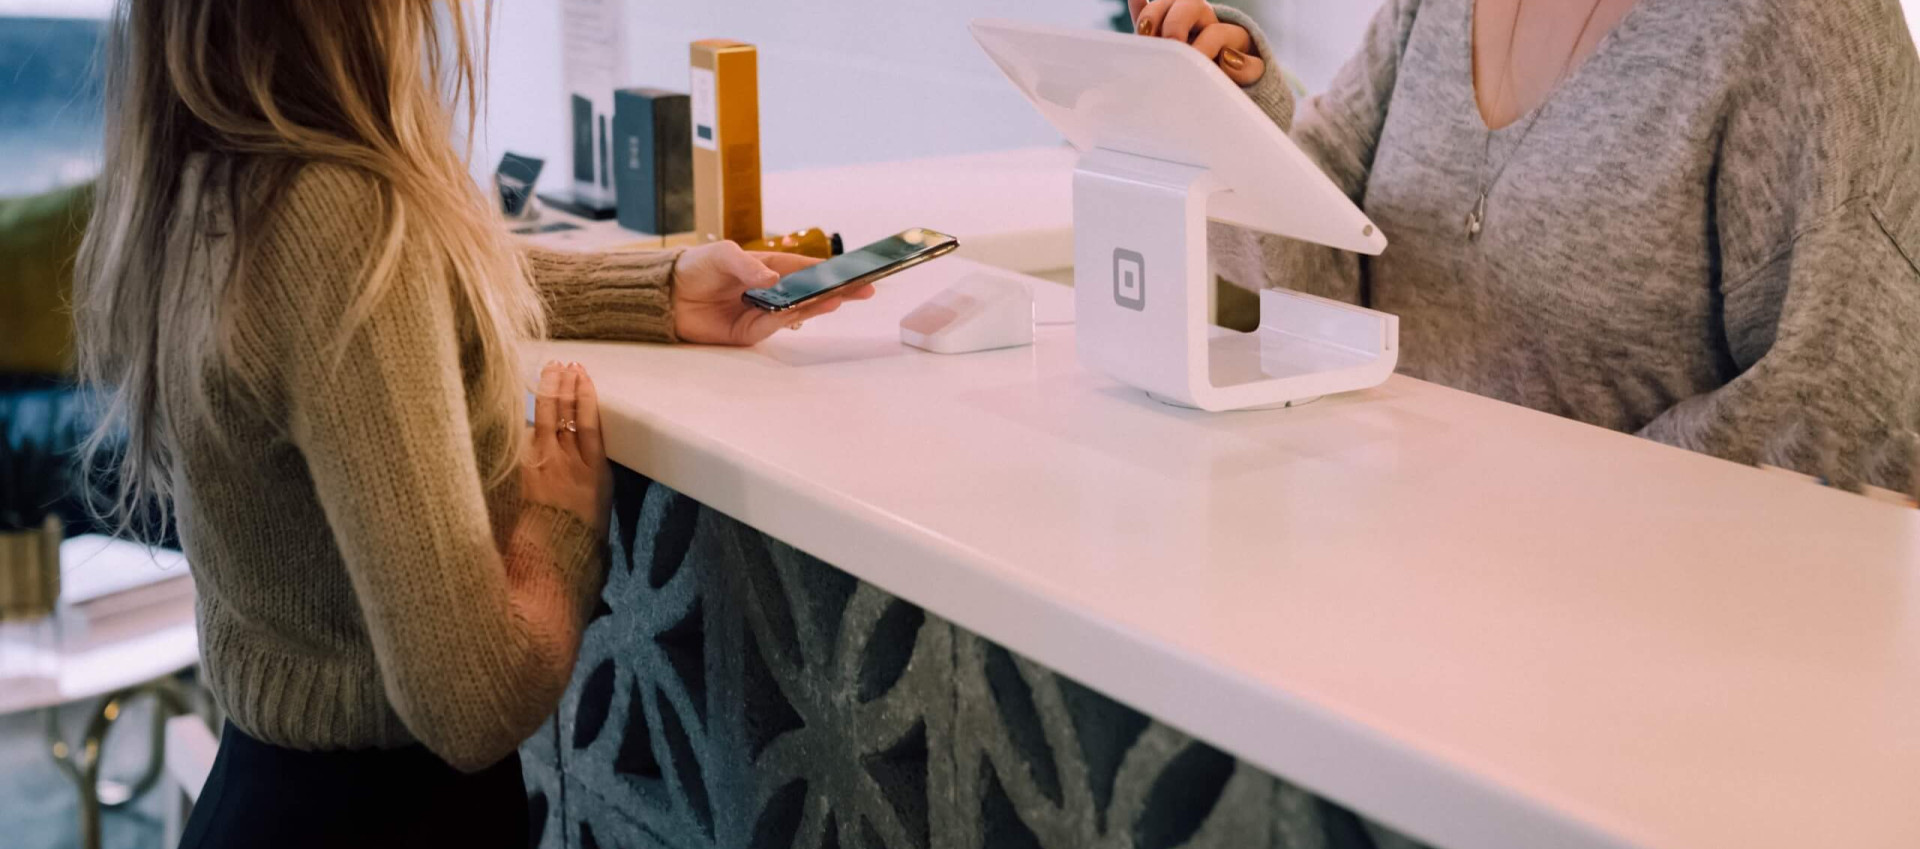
(725, 82)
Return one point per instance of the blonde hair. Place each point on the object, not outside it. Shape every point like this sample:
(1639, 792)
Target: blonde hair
(261, 89)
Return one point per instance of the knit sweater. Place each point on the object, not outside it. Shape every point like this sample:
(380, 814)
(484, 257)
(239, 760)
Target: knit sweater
(1707, 235)
(360, 586)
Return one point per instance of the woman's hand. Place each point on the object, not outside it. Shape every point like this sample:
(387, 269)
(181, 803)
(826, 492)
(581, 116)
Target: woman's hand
(709, 280)
(1193, 22)
(565, 461)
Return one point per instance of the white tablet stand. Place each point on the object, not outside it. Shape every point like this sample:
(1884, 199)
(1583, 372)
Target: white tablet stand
(1168, 143)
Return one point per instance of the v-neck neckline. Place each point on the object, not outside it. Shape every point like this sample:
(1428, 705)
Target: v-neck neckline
(1573, 76)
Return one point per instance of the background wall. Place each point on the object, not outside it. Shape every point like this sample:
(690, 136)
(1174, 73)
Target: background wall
(840, 82)
(1314, 37)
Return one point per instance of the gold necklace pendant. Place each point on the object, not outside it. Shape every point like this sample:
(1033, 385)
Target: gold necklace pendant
(1477, 219)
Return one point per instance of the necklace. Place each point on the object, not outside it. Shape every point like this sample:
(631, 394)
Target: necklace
(1477, 218)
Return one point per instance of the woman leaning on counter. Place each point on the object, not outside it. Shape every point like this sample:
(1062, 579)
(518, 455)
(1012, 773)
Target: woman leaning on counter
(1694, 221)
(306, 318)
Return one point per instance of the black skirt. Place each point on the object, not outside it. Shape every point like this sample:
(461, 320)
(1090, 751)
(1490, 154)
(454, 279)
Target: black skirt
(264, 795)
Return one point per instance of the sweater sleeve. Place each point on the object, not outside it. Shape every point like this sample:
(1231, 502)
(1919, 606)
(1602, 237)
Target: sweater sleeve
(1826, 338)
(625, 297)
(1818, 226)
(1339, 130)
(474, 644)
(1271, 92)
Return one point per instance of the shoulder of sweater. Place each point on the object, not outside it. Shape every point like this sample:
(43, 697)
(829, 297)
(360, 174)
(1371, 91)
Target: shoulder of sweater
(308, 261)
(319, 233)
(1827, 85)
(328, 201)
(1825, 45)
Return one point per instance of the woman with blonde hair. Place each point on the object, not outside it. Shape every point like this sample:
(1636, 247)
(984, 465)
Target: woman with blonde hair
(305, 318)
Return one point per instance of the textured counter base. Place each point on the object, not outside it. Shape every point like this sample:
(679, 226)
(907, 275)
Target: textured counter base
(734, 692)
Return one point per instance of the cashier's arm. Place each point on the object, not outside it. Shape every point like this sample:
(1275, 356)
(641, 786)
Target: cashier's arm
(1194, 22)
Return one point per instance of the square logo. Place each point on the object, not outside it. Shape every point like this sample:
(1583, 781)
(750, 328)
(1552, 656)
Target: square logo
(1129, 279)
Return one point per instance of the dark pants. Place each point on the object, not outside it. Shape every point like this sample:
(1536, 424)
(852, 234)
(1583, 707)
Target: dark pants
(263, 795)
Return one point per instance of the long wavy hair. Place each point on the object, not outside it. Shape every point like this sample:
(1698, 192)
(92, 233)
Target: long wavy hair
(259, 90)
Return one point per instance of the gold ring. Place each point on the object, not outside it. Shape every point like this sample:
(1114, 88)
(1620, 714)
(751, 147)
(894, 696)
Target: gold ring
(795, 325)
(569, 426)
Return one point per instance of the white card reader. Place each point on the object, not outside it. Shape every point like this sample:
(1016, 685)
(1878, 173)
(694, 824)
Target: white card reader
(981, 312)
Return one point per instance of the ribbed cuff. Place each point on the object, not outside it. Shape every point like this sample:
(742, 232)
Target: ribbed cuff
(579, 554)
(626, 297)
(1271, 92)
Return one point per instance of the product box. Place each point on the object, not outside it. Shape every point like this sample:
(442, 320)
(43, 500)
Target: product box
(653, 160)
(726, 140)
(592, 63)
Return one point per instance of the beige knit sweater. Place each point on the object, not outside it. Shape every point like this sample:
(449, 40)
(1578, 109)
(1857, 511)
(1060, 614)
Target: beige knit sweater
(359, 585)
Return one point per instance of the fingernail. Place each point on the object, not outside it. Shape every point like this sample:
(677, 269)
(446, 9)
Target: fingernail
(1146, 27)
(1233, 59)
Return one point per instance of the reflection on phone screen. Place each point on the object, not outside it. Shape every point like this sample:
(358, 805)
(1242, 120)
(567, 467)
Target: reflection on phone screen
(840, 270)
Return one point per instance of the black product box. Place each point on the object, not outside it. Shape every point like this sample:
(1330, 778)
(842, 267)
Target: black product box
(653, 161)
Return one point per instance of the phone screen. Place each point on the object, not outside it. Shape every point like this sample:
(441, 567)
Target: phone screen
(887, 256)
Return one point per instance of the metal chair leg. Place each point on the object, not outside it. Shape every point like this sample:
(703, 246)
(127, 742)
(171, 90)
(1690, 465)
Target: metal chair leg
(82, 766)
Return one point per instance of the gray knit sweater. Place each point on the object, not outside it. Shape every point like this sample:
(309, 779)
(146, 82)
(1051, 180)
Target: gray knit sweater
(360, 585)
(1708, 237)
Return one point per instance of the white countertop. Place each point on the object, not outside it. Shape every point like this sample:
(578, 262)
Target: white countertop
(1486, 626)
(42, 665)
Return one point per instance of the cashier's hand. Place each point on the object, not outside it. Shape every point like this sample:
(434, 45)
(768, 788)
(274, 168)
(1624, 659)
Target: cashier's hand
(709, 280)
(1193, 22)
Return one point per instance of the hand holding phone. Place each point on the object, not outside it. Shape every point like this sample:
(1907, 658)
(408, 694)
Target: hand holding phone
(888, 256)
(709, 280)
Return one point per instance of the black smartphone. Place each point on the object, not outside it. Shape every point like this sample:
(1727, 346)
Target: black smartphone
(890, 255)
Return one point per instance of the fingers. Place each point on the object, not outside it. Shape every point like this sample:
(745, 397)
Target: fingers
(592, 447)
(766, 324)
(567, 425)
(1147, 21)
(745, 267)
(812, 311)
(1177, 20)
(1194, 21)
(546, 408)
(1231, 47)
(1185, 18)
(1243, 68)
(1213, 39)
(1134, 7)
(784, 264)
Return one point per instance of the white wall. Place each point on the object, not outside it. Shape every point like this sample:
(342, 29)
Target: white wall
(1313, 37)
(840, 81)
(855, 80)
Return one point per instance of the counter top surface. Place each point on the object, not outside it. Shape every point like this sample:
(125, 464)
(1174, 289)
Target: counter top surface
(1485, 625)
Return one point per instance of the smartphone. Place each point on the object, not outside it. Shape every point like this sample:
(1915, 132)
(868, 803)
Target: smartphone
(891, 255)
